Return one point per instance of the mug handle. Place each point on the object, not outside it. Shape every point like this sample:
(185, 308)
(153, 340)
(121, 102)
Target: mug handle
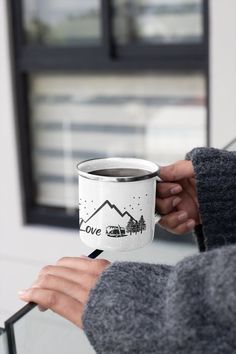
(158, 216)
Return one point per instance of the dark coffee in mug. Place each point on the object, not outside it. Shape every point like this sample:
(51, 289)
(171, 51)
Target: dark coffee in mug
(120, 172)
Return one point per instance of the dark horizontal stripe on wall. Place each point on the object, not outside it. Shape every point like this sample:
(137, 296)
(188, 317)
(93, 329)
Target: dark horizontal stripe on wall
(77, 154)
(44, 178)
(112, 129)
(97, 128)
(121, 100)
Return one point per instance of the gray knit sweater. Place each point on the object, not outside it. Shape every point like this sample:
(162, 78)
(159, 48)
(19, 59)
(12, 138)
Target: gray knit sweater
(186, 309)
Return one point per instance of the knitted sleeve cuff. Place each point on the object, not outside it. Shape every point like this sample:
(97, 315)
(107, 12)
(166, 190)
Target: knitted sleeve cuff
(215, 172)
(126, 305)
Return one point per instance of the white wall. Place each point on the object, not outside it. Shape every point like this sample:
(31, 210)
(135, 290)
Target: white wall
(222, 71)
(23, 249)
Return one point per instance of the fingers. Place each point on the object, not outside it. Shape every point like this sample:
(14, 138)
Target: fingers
(65, 287)
(165, 190)
(76, 263)
(60, 303)
(183, 228)
(70, 288)
(165, 206)
(66, 280)
(177, 222)
(70, 274)
(177, 171)
(92, 266)
(71, 281)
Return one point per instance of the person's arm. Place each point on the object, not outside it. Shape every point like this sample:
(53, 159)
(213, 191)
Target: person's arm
(124, 313)
(143, 308)
(206, 199)
(215, 172)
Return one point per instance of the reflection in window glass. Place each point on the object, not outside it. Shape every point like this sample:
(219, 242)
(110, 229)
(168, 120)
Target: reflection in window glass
(3, 342)
(152, 116)
(231, 146)
(62, 22)
(158, 21)
(48, 333)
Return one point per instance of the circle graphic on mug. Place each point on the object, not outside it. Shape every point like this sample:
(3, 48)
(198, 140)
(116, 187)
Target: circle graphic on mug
(117, 202)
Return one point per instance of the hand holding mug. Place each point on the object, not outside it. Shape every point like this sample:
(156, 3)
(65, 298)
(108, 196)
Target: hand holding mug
(176, 199)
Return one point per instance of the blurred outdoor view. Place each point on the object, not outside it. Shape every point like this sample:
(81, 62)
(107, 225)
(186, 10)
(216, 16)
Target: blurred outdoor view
(156, 117)
(68, 22)
(148, 114)
(158, 21)
(63, 22)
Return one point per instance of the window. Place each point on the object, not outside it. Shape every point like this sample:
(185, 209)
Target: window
(65, 23)
(158, 21)
(104, 78)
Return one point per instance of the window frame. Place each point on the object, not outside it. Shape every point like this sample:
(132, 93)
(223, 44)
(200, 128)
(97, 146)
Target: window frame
(30, 58)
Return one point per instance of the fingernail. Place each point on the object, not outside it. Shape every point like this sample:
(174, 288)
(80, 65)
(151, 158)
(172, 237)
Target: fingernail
(23, 293)
(183, 216)
(190, 224)
(176, 201)
(175, 190)
(41, 308)
(85, 257)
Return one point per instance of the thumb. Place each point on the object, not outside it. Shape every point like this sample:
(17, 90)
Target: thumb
(177, 171)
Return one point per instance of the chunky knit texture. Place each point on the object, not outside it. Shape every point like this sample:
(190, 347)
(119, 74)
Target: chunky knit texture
(186, 309)
(215, 172)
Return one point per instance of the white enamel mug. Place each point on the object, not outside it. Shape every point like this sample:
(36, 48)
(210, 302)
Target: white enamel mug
(117, 213)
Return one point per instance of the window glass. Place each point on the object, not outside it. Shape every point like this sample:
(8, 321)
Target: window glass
(62, 22)
(3, 342)
(37, 333)
(154, 116)
(158, 21)
(231, 146)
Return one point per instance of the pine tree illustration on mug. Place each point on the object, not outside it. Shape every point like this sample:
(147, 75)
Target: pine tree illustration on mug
(134, 226)
(142, 224)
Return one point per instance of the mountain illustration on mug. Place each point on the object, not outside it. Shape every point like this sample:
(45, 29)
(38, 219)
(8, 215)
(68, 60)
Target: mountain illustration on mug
(120, 224)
